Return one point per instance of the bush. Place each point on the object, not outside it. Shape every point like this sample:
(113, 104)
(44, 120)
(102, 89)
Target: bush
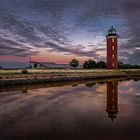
(93, 64)
(24, 71)
(128, 66)
(74, 63)
(89, 64)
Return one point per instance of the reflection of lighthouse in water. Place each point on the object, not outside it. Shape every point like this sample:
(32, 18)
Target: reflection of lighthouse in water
(112, 99)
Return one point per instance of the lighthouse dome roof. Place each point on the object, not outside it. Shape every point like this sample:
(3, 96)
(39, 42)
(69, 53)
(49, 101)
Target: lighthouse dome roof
(112, 30)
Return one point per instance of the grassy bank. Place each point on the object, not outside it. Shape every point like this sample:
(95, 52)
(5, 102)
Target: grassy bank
(52, 73)
(5, 74)
(38, 71)
(15, 77)
(42, 71)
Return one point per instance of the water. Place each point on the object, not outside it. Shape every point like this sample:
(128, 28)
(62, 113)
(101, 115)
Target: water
(86, 110)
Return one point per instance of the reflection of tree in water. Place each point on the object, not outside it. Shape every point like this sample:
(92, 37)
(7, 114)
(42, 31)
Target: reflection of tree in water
(24, 91)
(112, 99)
(90, 84)
(136, 80)
(74, 85)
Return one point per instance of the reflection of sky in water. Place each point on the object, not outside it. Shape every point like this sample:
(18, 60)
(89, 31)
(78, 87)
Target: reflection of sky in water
(70, 110)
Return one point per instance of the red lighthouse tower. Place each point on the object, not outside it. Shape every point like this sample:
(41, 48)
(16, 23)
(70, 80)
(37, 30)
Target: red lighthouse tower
(112, 49)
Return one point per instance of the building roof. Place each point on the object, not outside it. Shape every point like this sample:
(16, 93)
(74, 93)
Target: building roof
(52, 65)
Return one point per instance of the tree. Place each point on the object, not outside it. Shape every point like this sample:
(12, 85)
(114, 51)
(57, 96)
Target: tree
(89, 64)
(85, 64)
(101, 64)
(74, 63)
(24, 71)
(127, 66)
(93, 64)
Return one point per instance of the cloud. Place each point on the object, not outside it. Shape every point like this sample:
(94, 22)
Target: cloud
(26, 26)
(76, 51)
(131, 10)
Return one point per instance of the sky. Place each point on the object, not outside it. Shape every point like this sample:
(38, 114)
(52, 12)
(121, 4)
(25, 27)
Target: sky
(59, 30)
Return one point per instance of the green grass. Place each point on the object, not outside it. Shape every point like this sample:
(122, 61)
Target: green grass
(53, 73)
(31, 71)
(69, 71)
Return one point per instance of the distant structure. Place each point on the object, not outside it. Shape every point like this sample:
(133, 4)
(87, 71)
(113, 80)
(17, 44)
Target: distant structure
(112, 49)
(34, 64)
(112, 99)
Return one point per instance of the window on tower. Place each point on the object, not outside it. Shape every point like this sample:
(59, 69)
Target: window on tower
(112, 55)
(112, 39)
(113, 64)
(113, 48)
(113, 99)
(113, 107)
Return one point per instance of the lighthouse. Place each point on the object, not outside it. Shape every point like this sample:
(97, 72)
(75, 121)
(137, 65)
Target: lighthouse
(112, 48)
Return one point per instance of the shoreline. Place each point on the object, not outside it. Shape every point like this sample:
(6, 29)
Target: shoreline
(15, 82)
(52, 76)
